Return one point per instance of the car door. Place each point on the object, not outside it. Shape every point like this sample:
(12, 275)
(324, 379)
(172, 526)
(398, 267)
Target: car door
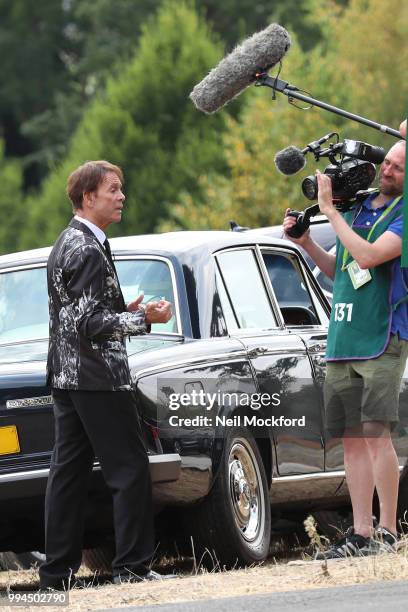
(279, 358)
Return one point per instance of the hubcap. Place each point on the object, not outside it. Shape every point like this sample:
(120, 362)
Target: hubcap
(246, 492)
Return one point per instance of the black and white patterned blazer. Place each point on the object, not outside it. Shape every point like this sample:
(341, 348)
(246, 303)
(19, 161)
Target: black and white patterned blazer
(88, 317)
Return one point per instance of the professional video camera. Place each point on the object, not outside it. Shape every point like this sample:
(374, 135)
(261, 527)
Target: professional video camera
(352, 170)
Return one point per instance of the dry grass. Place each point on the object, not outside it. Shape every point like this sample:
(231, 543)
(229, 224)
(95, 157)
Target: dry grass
(199, 584)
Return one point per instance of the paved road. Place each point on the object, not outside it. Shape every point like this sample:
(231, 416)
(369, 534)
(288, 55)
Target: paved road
(367, 598)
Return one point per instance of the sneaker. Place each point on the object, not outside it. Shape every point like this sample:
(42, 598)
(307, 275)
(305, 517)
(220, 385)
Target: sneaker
(351, 545)
(384, 541)
(127, 576)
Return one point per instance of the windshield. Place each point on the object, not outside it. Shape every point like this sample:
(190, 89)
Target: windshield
(23, 305)
(24, 299)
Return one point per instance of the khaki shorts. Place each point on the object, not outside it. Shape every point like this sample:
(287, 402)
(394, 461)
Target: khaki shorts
(364, 390)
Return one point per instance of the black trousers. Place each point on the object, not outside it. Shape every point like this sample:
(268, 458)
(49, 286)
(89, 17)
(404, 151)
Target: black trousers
(105, 424)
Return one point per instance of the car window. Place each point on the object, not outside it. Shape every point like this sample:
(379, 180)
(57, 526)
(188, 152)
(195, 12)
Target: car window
(324, 281)
(24, 299)
(246, 291)
(225, 303)
(290, 289)
(23, 305)
(153, 278)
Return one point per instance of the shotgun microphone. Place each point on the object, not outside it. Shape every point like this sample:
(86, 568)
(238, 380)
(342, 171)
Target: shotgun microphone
(238, 70)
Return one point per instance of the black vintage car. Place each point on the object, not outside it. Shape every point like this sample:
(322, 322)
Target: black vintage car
(249, 321)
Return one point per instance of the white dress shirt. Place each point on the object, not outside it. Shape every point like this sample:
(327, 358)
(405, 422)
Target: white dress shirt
(101, 236)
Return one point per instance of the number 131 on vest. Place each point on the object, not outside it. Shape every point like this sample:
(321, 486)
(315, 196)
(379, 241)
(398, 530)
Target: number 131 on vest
(343, 310)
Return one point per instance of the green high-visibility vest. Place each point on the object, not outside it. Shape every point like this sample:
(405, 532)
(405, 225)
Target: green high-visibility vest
(360, 320)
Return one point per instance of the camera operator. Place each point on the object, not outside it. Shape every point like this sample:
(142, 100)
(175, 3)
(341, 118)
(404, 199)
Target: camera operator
(367, 348)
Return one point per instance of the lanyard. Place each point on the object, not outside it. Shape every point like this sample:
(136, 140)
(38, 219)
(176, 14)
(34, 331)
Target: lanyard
(383, 215)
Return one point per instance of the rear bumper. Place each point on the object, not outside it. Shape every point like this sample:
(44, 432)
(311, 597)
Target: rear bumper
(165, 468)
(32, 483)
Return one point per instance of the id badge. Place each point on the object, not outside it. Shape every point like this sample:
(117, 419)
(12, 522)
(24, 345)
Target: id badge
(358, 276)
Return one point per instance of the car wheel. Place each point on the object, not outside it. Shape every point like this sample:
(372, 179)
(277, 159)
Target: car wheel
(21, 561)
(233, 524)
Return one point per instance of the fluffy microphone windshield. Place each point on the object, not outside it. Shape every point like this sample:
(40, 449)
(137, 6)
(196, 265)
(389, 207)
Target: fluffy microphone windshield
(234, 73)
(290, 160)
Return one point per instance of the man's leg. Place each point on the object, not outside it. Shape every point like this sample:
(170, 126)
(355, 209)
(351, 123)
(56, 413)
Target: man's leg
(379, 408)
(67, 485)
(360, 480)
(385, 469)
(342, 393)
(111, 421)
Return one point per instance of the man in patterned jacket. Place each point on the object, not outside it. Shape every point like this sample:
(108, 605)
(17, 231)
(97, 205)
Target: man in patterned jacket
(88, 373)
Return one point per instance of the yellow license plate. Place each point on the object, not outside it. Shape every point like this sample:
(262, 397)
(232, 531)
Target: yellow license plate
(9, 443)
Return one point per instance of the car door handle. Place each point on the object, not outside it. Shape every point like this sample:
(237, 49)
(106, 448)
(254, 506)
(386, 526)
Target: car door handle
(258, 350)
(319, 347)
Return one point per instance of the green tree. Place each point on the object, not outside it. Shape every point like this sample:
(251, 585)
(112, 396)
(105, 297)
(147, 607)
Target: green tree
(341, 70)
(11, 202)
(32, 46)
(145, 122)
(57, 55)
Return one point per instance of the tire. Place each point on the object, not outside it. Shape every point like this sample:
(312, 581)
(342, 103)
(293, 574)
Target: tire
(21, 561)
(232, 526)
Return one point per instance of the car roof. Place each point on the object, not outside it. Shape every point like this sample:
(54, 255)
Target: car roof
(320, 230)
(170, 243)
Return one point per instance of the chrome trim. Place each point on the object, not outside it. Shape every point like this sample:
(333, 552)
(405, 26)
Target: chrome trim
(216, 359)
(301, 487)
(251, 332)
(44, 472)
(271, 351)
(19, 476)
(312, 476)
(173, 281)
(269, 288)
(22, 267)
(44, 400)
(28, 341)
(316, 349)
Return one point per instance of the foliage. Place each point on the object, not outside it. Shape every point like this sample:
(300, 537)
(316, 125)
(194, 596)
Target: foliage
(341, 70)
(145, 122)
(57, 54)
(11, 204)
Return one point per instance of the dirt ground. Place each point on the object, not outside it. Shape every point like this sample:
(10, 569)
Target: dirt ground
(196, 583)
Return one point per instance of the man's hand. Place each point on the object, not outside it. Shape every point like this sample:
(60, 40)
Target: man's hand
(403, 128)
(135, 305)
(289, 222)
(158, 312)
(325, 195)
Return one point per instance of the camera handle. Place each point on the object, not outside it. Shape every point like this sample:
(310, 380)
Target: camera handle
(302, 220)
(291, 91)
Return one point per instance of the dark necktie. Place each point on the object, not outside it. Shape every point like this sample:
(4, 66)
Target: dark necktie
(108, 251)
(109, 256)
